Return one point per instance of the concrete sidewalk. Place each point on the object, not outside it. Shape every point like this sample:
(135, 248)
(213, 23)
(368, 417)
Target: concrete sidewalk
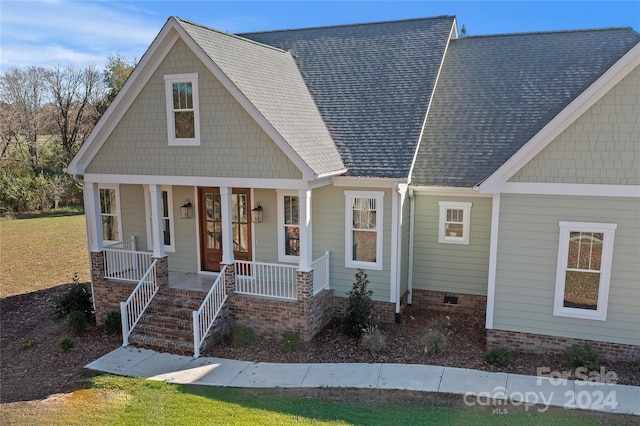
(474, 386)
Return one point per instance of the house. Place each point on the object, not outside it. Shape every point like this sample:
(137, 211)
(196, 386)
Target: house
(246, 178)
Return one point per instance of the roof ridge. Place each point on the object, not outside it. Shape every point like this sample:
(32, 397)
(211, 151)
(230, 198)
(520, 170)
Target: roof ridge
(238, 37)
(349, 25)
(547, 32)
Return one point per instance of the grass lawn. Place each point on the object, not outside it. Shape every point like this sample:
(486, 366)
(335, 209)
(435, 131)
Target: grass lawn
(123, 401)
(42, 251)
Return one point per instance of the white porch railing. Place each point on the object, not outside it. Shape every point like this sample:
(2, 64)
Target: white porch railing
(129, 244)
(266, 279)
(321, 271)
(123, 264)
(204, 317)
(136, 304)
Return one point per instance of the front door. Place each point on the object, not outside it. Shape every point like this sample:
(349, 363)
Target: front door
(210, 216)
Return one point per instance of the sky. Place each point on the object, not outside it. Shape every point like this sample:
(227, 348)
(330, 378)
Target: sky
(67, 32)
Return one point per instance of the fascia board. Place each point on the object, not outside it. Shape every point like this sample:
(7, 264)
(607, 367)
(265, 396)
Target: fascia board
(563, 120)
(159, 48)
(238, 95)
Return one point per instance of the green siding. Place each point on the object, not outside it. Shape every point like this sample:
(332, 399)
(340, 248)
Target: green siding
(328, 207)
(133, 219)
(600, 147)
(232, 143)
(265, 234)
(185, 257)
(527, 261)
(455, 268)
(404, 244)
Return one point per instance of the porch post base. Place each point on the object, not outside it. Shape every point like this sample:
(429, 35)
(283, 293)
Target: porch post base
(162, 272)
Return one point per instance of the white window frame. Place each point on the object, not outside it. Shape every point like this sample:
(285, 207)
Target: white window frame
(282, 256)
(169, 80)
(118, 214)
(348, 232)
(466, 222)
(149, 218)
(608, 229)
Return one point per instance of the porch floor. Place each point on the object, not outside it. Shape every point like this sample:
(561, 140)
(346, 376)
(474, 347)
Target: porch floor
(191, 281)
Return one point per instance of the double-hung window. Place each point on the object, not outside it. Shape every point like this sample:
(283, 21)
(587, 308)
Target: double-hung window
(183, 115)
(110, 212)
(455, 220)
(585, 254)
(363, 233)
(168, 236)
(288, 227)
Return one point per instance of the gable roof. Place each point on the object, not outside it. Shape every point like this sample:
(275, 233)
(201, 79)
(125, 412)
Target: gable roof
(496, 92)
(372, 84)
(270, 80)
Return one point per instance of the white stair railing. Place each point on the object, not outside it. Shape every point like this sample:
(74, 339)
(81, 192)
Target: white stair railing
(126, 265)
(266, 279)
(206, 315)
(138, 301)
(321, 271)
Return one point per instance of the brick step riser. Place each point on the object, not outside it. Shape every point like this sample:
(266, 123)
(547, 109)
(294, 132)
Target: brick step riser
(163, 311)
(175, 302)
(165, 333)
(161, 345)
(165, 322)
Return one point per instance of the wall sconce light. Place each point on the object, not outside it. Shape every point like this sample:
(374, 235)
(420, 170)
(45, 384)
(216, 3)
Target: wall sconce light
(186, 210)
(256, 214)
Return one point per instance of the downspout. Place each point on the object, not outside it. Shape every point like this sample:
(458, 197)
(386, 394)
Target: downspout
(80, 179)
(412, 213)
(398, 196)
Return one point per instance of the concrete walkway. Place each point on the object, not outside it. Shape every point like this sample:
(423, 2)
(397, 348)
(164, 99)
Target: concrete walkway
(475, 387)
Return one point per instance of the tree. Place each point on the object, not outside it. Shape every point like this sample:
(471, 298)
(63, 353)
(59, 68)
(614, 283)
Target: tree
(115, 75)
(75, 93)
(23, 116)
(463, 32)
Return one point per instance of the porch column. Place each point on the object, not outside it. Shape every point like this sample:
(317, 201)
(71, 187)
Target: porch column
(306, 248)
(156, 221)
(91, 195)
(227, 238)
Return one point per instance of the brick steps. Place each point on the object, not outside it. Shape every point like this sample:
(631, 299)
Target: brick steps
(167, 324)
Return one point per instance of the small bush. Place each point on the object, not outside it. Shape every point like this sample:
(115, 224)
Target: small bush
(78, 298)
(113, 323)
(290, 341)
(67, 343)
(582, 356)
(28, 343)
(498, 356)
(374, 340)
(358, 315)
(444, 322)
(433, 342)
(241, 336)
(78, 321)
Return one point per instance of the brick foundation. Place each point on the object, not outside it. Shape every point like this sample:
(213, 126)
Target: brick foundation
(539, 343)
(467, 303)
(382, 312)
(108, 295)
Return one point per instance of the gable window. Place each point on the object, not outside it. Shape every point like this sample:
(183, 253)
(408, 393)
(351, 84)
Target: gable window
(455, 220)
(110, 212)
(585, 252)
(363, 233)
(183, 120)
(288, 227)
(167, 219)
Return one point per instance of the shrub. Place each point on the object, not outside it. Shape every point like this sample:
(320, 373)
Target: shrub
(358, 315)
(113, 323)
(374, 340)
(582, 356)
(498, 356)
(444, 321)
(433, 342)
(28, 343)
(67, 343)
(241, 336)
(290, 341)
(78, 321)
(78, 298)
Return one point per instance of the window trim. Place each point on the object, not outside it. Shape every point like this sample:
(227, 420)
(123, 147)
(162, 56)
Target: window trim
(608, 229)
(169, 80)
(118, 214)
(348, 246)
(466, 222)
(148, 218)
(282, 257)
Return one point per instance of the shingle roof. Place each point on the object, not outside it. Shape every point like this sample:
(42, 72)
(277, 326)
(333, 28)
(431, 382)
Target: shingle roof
(372, 84)
(496, 92)
(270, 79)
